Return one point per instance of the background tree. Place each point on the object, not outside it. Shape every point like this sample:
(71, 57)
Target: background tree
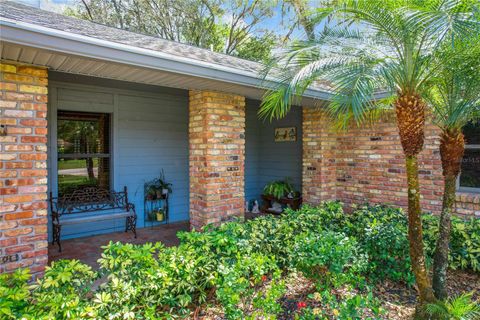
(303, 16)
(455, 100)
(242, 18)
(382, 44)
(258, 48)
(228, 26)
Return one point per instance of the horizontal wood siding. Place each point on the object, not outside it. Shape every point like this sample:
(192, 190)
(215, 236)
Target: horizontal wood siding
(252, 151)
(153, 134)
(267, 160)
(150, 132)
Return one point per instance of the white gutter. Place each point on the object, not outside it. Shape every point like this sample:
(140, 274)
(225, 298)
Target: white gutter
(32, 35)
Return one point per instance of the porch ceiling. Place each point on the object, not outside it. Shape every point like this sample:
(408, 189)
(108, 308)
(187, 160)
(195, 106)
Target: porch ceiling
(111, 70)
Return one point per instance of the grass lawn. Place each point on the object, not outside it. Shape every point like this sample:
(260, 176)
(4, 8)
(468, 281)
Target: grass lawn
(67, 183)
(74, 164)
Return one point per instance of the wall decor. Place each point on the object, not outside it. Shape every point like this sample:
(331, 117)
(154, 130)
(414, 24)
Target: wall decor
(286, 134)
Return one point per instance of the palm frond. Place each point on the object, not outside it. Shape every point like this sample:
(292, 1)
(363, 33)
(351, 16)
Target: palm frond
(371, 45)
(458, 308)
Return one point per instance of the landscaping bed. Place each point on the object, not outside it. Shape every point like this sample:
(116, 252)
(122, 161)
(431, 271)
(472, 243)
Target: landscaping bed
(315, 263)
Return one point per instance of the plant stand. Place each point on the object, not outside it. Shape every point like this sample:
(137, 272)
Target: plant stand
(294, 203)
(154, 205)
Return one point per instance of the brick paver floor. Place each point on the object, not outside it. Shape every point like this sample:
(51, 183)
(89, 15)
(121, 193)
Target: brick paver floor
(88, 249)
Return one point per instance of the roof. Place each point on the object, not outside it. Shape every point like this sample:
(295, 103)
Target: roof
(59, 37)
(24, 13)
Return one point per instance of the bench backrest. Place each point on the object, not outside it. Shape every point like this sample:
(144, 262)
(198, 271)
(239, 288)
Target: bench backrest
(89, 199)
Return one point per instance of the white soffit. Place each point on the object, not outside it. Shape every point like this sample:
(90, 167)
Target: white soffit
(111, 70)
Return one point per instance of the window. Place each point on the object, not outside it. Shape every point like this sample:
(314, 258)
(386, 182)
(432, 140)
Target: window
(83, 150)
(470, 175)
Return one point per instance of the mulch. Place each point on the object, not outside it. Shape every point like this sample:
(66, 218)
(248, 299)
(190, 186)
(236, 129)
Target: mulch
(397, 299)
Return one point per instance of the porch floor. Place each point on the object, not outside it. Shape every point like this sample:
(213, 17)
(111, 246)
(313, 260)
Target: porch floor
(88, 249)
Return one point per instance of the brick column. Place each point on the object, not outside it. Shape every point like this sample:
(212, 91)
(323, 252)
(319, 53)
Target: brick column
(23, 173)
(217, 151)
(319, 162)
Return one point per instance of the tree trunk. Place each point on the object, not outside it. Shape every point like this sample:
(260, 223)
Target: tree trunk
(415, 233)
(302, 16)
(451, 151)
(410, 111)
(91, 174)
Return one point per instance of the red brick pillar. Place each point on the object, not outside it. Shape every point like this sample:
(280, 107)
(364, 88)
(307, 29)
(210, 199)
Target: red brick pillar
(23, 173)
(319, 162)
(217, 151)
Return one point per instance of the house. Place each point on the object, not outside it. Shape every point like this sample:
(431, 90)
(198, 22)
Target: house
(145, 105)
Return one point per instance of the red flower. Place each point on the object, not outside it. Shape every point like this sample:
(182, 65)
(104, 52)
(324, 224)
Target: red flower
(264, 278)
(301, 305)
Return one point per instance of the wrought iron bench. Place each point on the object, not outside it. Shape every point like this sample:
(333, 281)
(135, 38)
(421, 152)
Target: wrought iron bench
(83, 205)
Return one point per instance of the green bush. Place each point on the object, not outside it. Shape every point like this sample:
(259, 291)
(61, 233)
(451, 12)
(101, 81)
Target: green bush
(238, 266)
(381, 233)
(464, 241)
(328, 257)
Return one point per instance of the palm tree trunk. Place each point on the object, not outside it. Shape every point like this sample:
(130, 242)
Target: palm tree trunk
(451, 151)
(410, 111)
(415, 233)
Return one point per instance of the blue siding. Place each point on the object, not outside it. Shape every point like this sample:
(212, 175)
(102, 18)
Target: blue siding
(252, 151)
(150, 132)
(267, 160)
(153, 134)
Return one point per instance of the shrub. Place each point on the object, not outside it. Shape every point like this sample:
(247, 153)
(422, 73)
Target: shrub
(151, 279)
(464, 241)
(381, 233)
(60, 294)
(328, 257)
(237, 265)
(240, 284)
(457, 308)
(14, 294)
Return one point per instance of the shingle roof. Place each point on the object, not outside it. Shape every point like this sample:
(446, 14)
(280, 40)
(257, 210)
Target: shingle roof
(27, 14)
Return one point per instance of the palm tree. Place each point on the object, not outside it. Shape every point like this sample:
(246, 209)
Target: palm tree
(458, 308)
(377, 44)
(455, 101)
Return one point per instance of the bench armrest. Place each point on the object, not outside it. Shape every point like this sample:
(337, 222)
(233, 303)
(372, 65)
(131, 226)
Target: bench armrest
(131, 207)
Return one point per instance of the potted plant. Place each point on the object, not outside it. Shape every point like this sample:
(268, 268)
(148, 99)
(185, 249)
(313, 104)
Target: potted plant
(279, 189)
(160, 215)
(152, 216)
(163, 186)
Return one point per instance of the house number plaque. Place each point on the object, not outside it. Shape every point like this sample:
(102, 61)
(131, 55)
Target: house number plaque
(9, 258)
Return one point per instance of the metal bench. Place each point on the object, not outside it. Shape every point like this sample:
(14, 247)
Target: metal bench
(83, 205)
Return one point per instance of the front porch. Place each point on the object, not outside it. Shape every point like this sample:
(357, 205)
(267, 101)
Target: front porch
(89, 249)
(210, 146)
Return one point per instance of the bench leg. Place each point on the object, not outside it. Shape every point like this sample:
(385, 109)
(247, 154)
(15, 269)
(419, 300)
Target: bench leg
(131, 225)
(56, 236)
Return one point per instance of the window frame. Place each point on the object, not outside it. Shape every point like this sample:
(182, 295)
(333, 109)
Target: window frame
(70, 156)
(468, 189)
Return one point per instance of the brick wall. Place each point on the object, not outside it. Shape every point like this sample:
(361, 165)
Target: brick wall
(217, 151)
(369, 166)
(23, 174)
(319, 167)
